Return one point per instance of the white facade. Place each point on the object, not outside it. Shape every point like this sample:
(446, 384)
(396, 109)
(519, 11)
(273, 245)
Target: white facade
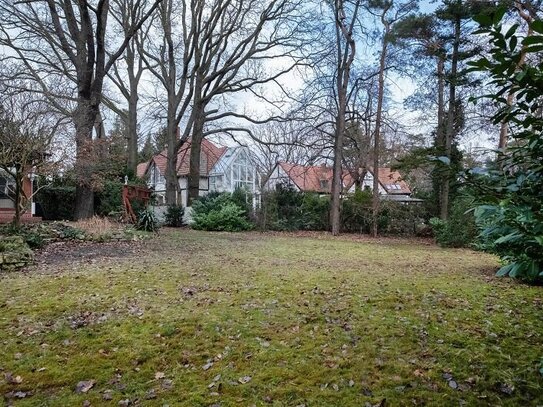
(368, 183)
(235, 168)
(279, 177)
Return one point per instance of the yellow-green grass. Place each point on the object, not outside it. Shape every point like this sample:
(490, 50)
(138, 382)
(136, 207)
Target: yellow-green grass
(315, 321)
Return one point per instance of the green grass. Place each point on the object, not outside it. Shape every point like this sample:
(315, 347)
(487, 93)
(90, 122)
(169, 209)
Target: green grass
(318, 321)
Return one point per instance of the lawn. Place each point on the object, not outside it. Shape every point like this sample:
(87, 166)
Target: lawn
(197, 319)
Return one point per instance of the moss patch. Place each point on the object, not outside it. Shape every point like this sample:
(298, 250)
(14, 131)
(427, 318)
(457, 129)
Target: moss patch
(201, 318)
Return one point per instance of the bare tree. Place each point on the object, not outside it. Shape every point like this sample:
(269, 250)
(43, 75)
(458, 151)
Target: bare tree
(27, 132)
(216, 50)
(169, 58)
(346, 17)
(127, 72)
(67, 40)
(285, 141)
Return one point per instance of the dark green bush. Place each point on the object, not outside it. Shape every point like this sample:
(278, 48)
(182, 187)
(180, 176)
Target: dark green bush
(460, 229)
(219, 212)
(57, 202)
(108, 201)
(147, 221)
(174, 215)
(356, 213)
(395, 218)
(288, 209)
(401, 219)
(511, 219)
(243, 198)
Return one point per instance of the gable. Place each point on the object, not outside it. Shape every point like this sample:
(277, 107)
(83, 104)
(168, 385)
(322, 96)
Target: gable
(209, 156)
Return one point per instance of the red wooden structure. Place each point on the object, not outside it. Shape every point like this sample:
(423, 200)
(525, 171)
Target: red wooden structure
(133, 192)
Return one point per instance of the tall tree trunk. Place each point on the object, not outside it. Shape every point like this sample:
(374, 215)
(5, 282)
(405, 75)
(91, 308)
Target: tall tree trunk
(18, 198)
(172, 183)
(451, 119)
(440, 131)
(84, 120)
(345, 57)
(132, 128)
(335, 214)
(378, 123)
(195, 152)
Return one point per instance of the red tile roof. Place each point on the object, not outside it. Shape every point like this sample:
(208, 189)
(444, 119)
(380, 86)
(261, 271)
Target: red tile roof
(141, 169)
(210, 154)
(388, 177)
(319, 178)
(316, 178)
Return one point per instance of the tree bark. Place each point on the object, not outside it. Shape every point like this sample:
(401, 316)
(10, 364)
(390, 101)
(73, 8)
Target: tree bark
(84, 120)
(195, 152)
(172, 183)
(451, 118)
(345, 57)
(378, 120)
(132, 128)
(18, 197)
(335, 214)
(132, 125)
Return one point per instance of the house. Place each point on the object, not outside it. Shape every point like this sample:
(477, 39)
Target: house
(319, 179)
(7, 198)
(222, 169)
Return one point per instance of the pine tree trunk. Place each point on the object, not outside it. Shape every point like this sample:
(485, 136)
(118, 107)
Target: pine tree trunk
(377, 139)
(451, 119)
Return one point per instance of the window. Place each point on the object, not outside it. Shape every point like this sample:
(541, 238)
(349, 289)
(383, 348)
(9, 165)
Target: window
(156, 176)
(215, 182)
(394, 186)
(242, 172)
(324, 183)
(7, 186)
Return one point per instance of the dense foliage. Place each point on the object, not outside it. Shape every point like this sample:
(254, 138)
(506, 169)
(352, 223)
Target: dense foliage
(108, 201)
(459, 230)
(219, 212)
(287, 209)
(147, 221)
(57, 202)
(290, 210)
(174, 215)
(512, 220)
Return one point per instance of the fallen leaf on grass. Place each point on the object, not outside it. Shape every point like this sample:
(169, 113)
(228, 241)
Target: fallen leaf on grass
(107, 395)
(18, 394)
(159, 375)
(506, 388)
(10, 379)
(244, 379)
(84, 386)
(167, 384)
